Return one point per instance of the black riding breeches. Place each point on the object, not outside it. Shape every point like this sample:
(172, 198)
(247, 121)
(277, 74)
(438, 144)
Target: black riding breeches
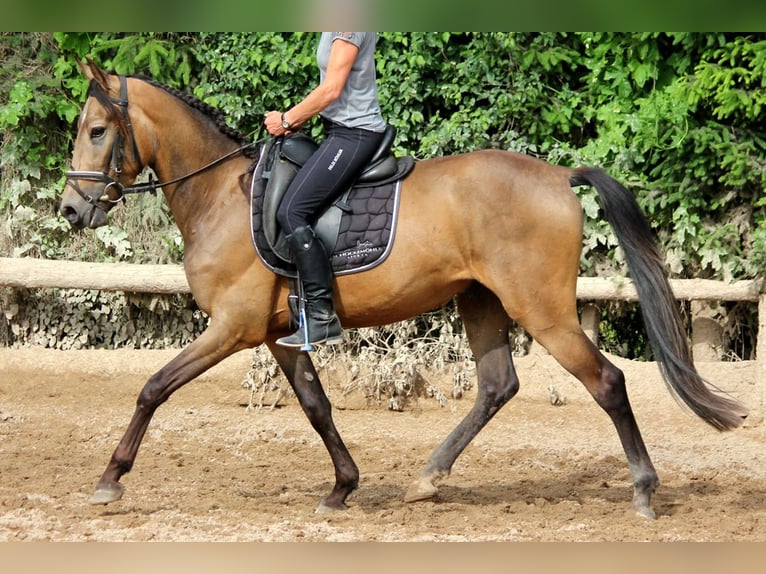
(329, 171)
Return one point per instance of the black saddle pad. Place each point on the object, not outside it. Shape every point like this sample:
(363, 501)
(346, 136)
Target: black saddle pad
(366, 232)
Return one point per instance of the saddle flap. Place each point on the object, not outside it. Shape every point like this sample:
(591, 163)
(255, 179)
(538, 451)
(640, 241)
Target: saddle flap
(282, 173)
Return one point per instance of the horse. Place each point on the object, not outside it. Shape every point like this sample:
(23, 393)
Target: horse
(498, 232)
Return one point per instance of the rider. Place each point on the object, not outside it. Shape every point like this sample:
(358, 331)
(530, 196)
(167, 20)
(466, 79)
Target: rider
(347, 101)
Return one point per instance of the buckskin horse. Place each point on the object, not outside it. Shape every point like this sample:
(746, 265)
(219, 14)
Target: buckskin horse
(501, 232)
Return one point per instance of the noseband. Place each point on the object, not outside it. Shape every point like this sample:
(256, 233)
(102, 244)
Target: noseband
(114, 192)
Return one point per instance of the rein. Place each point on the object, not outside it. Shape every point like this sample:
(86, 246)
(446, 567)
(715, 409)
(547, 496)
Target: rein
(114, 191)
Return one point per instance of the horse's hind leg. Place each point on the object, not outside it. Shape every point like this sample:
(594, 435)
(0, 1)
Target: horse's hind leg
(486, 324)
(303, 378)
(606, 383)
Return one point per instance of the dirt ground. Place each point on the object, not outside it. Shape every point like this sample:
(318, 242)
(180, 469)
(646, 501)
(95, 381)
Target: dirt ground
(211, 470)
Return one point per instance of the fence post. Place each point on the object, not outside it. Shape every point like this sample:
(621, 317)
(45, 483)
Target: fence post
(756, 412)
(707, 333)
(589, 318)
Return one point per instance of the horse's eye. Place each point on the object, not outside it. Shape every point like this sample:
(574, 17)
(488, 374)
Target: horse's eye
(97, 132)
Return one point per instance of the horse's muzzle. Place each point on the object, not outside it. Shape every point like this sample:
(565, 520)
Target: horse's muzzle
(80, 214)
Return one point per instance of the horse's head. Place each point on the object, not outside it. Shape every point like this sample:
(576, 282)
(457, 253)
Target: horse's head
(106, 156)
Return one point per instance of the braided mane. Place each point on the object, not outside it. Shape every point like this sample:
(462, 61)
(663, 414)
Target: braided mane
(211, 112)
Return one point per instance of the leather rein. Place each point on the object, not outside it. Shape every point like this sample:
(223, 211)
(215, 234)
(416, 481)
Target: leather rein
(114, 191)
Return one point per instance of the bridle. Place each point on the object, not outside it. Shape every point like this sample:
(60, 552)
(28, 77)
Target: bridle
(114, 192)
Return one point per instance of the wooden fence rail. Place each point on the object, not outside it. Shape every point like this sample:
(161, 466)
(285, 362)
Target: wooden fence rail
(46, 273)
(42, 273)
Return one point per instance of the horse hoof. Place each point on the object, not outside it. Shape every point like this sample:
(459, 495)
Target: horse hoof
(646, 512)
(420, 490)
(325, 508)
(106, 494)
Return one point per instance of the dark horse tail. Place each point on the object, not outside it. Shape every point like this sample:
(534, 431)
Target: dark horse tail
(662, 318)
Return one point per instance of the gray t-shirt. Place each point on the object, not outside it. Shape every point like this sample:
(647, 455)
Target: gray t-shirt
(357, 106)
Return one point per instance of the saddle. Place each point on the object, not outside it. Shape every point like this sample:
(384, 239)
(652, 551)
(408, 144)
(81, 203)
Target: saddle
(356, 230)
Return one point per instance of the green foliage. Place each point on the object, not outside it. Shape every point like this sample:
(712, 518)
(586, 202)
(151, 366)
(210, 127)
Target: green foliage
(675, 116)
(453, 93)
(33, 108)
(246, 74)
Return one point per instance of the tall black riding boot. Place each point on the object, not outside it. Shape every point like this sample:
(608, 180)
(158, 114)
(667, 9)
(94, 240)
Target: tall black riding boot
(315, 274)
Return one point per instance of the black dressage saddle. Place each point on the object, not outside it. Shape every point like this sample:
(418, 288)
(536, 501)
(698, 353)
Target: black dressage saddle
(356, 230)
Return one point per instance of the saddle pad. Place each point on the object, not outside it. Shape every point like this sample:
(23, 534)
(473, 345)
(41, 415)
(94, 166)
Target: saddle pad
(366, 234)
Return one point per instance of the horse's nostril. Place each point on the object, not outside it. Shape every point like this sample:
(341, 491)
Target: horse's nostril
(70, 214)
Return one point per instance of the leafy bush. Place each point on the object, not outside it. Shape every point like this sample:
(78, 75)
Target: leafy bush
(673, 116)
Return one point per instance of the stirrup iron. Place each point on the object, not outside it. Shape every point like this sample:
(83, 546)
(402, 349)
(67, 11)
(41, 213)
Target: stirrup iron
(303, 322)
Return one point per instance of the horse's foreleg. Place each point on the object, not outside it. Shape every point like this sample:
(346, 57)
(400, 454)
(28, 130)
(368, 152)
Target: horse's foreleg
(486, 325)
(303, 378)
(207, 350)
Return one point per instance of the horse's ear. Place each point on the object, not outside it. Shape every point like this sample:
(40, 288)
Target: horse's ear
(84, 68)
(92, 71)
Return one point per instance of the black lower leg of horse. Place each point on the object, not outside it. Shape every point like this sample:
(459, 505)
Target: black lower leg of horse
(613, 398)
(199, 356)
(486, 325)
(303, 378)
